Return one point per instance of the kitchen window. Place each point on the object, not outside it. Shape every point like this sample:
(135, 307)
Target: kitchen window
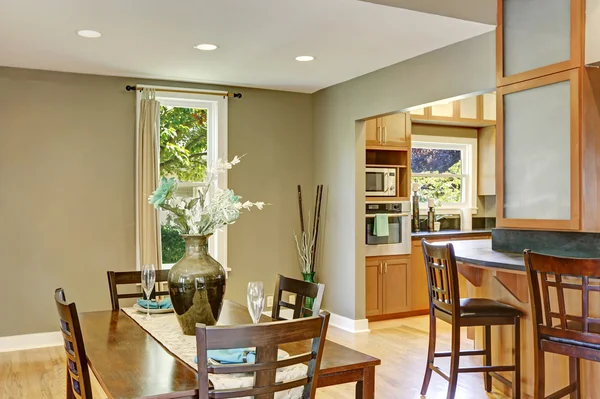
(444, 168)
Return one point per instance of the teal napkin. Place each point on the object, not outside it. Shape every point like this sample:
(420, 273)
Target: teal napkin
(234, 356)
(164, 304)
(381, 226)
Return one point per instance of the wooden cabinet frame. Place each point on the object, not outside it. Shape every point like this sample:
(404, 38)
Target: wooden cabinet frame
(573, 76)
(455, 119)
(577, 48)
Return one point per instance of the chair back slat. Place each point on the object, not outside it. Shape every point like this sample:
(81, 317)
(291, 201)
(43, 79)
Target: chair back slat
(303, 290)
(266, 338)
(116, 279)
(442, 276)
(78, 377)
(546, 274)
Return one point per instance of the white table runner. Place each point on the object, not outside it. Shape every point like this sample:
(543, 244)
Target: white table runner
(165, 329)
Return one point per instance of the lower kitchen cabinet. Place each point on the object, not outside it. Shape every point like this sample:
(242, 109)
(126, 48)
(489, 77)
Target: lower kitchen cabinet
(387, 289)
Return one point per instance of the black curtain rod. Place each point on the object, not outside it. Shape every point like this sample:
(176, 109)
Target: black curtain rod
(175, 90)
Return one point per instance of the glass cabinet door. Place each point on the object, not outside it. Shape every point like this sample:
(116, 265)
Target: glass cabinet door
(538, 37)
(539, 139)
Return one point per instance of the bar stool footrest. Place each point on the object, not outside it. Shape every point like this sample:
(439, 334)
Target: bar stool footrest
(502, 379)
(480, 352)
(563, 392)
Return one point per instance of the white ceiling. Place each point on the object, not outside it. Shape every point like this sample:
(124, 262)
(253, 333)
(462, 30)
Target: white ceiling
(257, 39)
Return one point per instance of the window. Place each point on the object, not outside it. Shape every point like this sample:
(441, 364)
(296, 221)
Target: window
(193, 133)
(443, 169)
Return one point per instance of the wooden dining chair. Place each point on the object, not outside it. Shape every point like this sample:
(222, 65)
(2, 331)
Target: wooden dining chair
(557, 329)
(78, 376)
(266, 338)
(116, 279)
(445, 304)
(303, 290)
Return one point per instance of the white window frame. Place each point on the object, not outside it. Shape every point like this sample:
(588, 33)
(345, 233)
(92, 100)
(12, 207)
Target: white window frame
(217, 107)
(468, 148)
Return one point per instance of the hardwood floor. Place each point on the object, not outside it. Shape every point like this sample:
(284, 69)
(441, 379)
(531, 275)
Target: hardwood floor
(401, 344)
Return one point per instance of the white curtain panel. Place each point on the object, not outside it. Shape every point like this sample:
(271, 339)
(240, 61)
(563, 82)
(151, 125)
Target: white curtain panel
(147, 176)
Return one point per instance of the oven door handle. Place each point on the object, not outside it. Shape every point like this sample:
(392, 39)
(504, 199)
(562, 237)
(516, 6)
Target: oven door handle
(391, 215)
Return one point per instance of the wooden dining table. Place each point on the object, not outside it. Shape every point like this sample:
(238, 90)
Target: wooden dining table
(130, 363)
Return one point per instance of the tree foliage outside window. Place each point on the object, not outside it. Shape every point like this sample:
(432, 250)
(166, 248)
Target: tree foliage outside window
(183, 148)
(183, 143)
(438, 172)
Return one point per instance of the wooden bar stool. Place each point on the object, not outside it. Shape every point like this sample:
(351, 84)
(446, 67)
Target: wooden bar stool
(557, 330)
(445, 304)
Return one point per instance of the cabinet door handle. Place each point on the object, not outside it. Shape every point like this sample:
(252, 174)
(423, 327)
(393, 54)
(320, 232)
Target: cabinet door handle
(385, 263)
(379, 134)
(384, 134)
(380, 268)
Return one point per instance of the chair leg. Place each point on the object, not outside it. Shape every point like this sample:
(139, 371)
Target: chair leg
(488, 356)
(454, 359)
(539, 367)
(430, 353)
(574, 377)
(517, 359)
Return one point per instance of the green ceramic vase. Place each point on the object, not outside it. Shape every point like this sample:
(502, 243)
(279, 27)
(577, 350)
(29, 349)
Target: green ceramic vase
(310, 277)
(196, 285)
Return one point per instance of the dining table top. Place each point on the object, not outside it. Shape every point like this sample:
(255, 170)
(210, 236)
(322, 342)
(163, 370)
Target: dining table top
(129, 363)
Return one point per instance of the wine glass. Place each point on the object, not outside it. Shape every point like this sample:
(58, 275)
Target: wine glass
(148, 280)
(256, 299)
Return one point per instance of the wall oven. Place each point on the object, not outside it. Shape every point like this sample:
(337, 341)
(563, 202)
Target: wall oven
(381, 182)
(398, 241)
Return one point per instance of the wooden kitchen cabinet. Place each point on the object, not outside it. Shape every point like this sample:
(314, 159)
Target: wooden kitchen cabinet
(486, 159)
(373, 278)
(387, 290)
(395, 284)
(372, 132)
(478, 111)
(388, 131)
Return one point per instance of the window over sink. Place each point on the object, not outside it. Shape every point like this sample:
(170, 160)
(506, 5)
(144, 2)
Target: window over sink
(445, 169)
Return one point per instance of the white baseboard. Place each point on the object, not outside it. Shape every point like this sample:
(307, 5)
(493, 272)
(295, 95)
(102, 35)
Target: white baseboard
(335, 320)
(30, 341)
(347, 324)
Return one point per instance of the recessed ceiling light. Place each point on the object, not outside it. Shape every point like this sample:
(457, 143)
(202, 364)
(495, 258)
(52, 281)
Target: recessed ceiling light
(206, 46)
(90, 34)
(304, 58)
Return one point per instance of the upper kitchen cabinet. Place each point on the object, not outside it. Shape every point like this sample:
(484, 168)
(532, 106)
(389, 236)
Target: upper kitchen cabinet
(538, 148)
(537, 38)
(487, 107)
(474, 110)
(444, 111)
(469, 109)
(388, 131)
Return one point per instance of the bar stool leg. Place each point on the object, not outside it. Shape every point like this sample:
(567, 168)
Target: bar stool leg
(539, 366)
(454, 359)
(488, 357)
(516, 387)
(574, 377)
(430, 354)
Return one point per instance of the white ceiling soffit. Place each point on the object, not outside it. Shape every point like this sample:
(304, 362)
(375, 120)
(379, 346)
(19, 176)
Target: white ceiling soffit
(483, 11)
(258, 40)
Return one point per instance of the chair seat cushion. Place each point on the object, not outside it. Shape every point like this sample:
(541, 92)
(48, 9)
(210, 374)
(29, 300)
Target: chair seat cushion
(482, 307)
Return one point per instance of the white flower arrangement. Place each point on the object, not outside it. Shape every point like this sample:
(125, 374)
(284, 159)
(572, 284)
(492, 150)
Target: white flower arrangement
(207, 212)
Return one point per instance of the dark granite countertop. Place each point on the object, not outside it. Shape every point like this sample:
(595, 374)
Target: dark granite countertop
(449, 233)
(479, 252)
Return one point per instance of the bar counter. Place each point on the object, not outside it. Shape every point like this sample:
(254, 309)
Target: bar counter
(501, 276)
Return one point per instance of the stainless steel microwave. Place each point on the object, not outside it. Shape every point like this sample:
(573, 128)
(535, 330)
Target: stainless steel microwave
(381, 182)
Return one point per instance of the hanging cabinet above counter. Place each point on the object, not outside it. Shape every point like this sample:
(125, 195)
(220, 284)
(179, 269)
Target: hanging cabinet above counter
(548, 123)
(477, 111)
